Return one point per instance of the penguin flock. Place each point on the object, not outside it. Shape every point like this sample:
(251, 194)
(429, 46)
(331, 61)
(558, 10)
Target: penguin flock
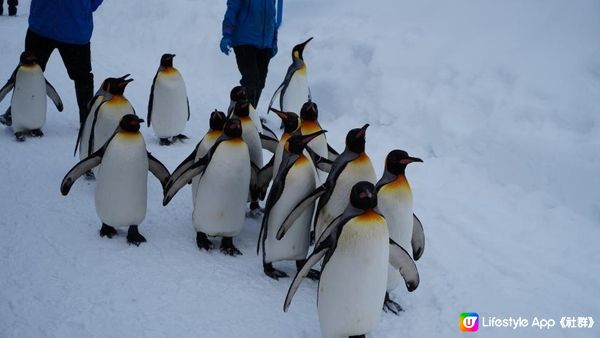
(362, 230)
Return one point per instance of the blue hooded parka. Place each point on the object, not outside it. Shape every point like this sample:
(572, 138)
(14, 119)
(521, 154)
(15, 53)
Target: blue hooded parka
(66, 21)
(252, 22)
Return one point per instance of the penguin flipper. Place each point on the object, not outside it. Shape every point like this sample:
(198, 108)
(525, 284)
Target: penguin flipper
(268, 143)
(79, 169)
(313, 259)
(53, 95)
(418, 238)
(400, 259)
(299, 209)
(332, 154)
(185, 165)
(173, 186)
(277, 91)
(158, 170)
(151, 99)
(9, 85)
(188, 107)
(321, 163)
(268, 132)
(264, 176)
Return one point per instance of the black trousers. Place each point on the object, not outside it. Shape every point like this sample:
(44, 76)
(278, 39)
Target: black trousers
(253, 64)
(77, 60)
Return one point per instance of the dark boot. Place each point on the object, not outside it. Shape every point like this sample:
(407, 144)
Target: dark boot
(12, 10)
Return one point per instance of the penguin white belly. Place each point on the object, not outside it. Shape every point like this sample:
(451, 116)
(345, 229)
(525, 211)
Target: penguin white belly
(121, 189)
(319, 146)
(358, 170)
(252, 139)
(397, 208)
(207, 142)
(28, 102)
(353, 281)
(84, 142)
(299, 182)
(169, 107)
(222, 191)
(296, 93)
(109, 115)
(256, 119)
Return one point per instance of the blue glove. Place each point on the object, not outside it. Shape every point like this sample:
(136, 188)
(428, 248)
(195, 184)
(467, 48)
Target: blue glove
(225, 45)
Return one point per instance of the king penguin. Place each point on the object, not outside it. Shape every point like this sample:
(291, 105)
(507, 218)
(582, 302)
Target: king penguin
(291, 126)
(352, 166)
(295, 179)
(309, 124)
(168, 106)
(28, 101)
(83, 137)
(252, 138)
(121, 190)
(220, 202)
(108, 114)
(396, 204)
(294, 91)
(216, 123)
(355, 249)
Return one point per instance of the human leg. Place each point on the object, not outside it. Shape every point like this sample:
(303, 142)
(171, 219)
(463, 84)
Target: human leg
(77, 60)
(246, 57)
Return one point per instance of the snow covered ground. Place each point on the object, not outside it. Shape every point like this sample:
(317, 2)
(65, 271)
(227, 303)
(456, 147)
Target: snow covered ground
(500, 98)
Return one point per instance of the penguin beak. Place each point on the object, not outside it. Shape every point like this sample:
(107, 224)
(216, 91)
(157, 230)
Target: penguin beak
(302, 45)
(362, 131)
(409, 160)
(307, 138)
(122, 78)
(171, 56)
(281, 114)
(124, 83)
(140, 120)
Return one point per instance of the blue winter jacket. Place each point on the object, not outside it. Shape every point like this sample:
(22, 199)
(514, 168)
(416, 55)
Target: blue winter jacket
(251, 22)
(67, 21)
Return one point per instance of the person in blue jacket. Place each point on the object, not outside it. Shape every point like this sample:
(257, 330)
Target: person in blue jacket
(250, 27)
(65, 25)
(12, 7)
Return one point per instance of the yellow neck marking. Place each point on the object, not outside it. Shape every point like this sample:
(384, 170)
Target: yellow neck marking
(309, 127)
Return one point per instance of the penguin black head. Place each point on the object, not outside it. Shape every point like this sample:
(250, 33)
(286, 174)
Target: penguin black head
(309, 111)
(356, 139)
(289, 119)
(130, 122)
(242, 108)
(297, 143)
(117, 87)
(238, 93)
(233, 128)
(105, 84)
(166, 60)
(299, 49)
(27, 58)
(217, 120)
(397, 160)
(363, 195)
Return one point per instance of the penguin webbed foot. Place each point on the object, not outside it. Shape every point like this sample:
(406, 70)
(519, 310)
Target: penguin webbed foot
(180, 137)
(389, 304)
(228, 248)
(134, 237)
(165, 142)
(255, 210)
(107, 231)
(20, 136)
(36, 133)
(314, 274)
(89, 175)
(6, 118)
(203, 242)
(272, 272)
